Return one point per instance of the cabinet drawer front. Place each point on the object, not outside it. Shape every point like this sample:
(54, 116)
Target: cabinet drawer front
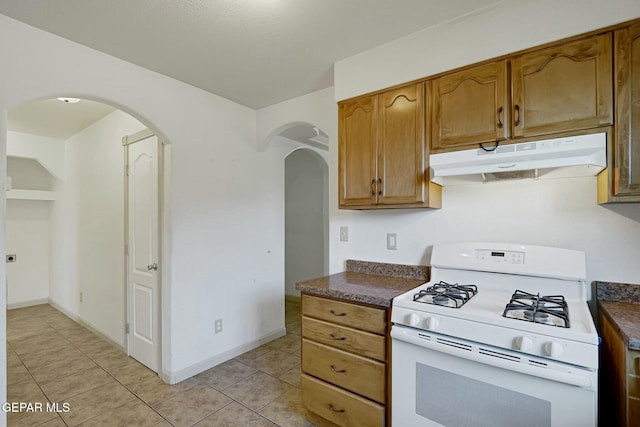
(344, 313)
(354, 341)
(339, 406)
(357, 374)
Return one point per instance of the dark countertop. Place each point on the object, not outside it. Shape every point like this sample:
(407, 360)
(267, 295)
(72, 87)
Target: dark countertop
(620, 303)
(368, 282)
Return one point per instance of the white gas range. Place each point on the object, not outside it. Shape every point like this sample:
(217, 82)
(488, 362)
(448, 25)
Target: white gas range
(500, 336)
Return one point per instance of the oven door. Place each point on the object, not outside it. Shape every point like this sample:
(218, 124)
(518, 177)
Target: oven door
(440, 380)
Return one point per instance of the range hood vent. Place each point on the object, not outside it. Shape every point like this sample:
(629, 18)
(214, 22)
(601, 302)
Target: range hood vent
(583, 155)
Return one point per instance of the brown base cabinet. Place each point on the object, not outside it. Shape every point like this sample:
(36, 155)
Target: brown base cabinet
(619, 379)
(344, 363)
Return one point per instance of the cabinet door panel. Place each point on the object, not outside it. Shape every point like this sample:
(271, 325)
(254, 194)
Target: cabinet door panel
(627, 86)
(470, 107)
(401, 151)
(357, 154)
(563, 88)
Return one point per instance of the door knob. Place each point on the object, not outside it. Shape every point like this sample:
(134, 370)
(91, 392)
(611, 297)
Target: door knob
(153, 266)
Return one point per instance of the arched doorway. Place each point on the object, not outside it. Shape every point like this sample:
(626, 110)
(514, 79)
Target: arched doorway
(85, 211)
(306, 218)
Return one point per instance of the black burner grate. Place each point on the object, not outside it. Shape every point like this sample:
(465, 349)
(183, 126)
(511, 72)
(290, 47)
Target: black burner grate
(446, 294)
(549, 310)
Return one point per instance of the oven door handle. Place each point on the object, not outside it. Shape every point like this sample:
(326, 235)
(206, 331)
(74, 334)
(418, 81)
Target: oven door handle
(410, 336)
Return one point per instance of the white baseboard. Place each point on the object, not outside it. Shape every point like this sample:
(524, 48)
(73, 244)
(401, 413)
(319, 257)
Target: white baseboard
(183, 374)
(87, 325)
(23, 304)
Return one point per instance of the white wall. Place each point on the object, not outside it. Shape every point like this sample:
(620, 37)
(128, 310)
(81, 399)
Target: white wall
(504, 28)
(227, 202)
(305, 188)
(91, 208)
(560, 213)
(27, 229)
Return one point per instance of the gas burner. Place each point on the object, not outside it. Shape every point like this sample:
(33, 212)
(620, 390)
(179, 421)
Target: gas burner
(446, 294)
(548, 310)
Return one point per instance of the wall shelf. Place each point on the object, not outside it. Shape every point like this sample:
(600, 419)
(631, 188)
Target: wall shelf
(17, 194)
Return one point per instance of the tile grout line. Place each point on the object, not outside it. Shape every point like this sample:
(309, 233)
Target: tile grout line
(56, 326)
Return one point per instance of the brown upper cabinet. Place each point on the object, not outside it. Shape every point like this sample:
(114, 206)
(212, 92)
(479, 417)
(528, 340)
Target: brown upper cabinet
(383, 152)
(470, 107)
(563, 88)
(626, 156)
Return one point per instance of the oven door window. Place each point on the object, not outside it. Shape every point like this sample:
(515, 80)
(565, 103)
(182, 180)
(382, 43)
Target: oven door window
(457, 401)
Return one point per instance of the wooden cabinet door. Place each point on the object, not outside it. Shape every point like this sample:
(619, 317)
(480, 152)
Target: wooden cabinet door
(357, 172)
(613, 394)
(470, 106)
(626, 177)
(401, 148)
(562, 88)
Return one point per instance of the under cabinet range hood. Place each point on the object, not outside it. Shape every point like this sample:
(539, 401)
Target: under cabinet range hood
(583, 155)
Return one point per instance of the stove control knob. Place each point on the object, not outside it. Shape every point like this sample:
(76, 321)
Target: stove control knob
(432, 323)
(553, 349)
(412, 319)
(523, 343)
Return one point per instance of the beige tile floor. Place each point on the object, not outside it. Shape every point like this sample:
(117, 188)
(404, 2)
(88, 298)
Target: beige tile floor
(51, 358)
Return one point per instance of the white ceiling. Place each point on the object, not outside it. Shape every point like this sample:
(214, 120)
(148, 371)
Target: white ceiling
(254, 52)
(56, 119)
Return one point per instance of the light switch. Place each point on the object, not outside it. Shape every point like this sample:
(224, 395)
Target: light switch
(344, 234)
(392, 241)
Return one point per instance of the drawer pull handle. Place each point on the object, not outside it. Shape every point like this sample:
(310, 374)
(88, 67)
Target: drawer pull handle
(337, 338)
(333, 408)
(340, 371)
(338, 314)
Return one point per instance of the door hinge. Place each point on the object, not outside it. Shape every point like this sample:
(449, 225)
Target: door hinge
(126, 328)
(126, 249)
(127, 170)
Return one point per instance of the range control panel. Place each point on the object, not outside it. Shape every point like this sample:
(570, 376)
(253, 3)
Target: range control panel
(497, 256)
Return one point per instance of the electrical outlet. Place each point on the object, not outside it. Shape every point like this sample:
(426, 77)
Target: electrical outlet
(344, 234)
(218, 326)
(392, 241)
(80, 296)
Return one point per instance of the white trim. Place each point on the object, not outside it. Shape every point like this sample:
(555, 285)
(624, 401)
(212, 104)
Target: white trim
(29, 303)
(87, 325)
(188, 372)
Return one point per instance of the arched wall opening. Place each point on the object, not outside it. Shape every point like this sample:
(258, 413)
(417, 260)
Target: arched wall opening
(306, 218)
(304, 150)
(79, 217)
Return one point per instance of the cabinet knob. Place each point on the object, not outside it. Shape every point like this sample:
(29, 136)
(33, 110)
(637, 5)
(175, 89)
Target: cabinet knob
(373, 187)
(517, 107)
(338, 314)
(500, 125)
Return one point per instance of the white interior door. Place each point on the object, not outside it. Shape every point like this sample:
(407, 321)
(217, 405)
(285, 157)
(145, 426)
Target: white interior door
(143, 287)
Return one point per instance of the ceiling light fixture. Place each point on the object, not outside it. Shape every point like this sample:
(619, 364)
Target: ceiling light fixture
(69, 100)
